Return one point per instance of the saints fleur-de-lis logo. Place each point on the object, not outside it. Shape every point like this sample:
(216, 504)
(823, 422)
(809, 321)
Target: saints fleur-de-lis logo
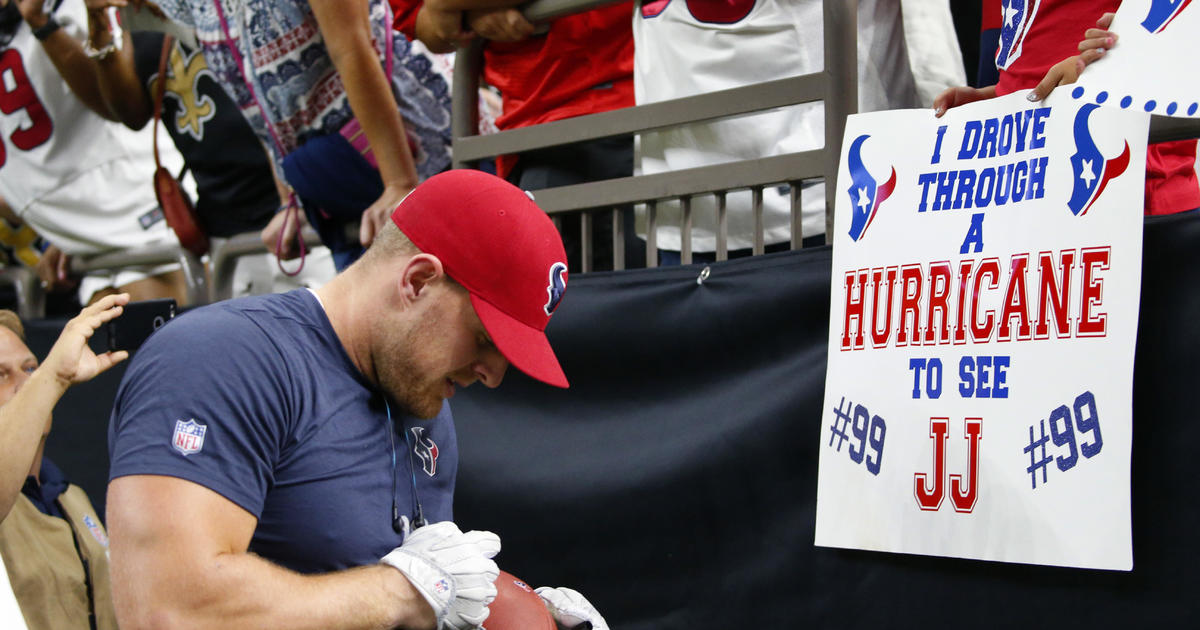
(184, 71)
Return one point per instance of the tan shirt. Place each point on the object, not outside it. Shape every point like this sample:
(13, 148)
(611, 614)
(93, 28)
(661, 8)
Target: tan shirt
(59, 568)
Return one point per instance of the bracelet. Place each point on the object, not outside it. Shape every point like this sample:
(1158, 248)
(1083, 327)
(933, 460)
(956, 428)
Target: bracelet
(117, 41)
(102, 53)
(47, 29)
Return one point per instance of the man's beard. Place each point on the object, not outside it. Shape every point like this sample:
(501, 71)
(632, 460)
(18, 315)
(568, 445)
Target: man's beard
(409, 385)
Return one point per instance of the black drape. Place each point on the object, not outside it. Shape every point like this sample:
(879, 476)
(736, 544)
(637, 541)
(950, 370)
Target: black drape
(674, 484)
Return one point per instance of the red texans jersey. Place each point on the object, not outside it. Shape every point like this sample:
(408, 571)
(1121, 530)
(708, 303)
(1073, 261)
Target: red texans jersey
(582, 65)
(1036, 34)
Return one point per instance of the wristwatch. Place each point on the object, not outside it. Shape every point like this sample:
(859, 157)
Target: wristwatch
(47, 29)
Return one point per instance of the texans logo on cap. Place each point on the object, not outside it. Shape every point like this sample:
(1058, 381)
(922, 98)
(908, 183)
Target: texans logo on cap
(1018, 16)
(865, 195)
(1092, 171)
(498, 244)
(556, 287)
(1162, 12)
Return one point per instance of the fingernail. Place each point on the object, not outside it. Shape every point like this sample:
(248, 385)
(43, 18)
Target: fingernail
(1108, 41)
(1099, 51)
(1032, 97)
(938, 111)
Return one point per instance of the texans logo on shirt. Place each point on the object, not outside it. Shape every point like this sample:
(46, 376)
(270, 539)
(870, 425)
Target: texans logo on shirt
(1018, 17)
(556, 287)
(865, 195)
(1092, 171)
(1162, 12)
(426, 449)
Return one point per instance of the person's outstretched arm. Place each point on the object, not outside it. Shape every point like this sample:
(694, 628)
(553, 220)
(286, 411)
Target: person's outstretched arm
(347, 32)
(24, 417)
(76, 68)
(1096, 42)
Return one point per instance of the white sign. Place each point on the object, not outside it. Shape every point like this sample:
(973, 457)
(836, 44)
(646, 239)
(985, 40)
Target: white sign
(986, 277)
(1151, 67)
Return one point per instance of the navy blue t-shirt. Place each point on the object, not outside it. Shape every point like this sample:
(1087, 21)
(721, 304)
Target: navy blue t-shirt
(256, 399)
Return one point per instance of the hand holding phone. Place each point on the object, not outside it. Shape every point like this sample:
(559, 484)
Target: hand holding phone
(137, 322)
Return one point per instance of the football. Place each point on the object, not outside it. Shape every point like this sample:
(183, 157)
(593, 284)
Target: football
(517, 607)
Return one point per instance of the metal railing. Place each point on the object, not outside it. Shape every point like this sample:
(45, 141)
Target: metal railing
(209, 280)
(1164, 129)
(836, 85)
(193, 268)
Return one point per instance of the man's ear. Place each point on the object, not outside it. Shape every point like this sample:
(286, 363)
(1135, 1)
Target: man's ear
(418, 274)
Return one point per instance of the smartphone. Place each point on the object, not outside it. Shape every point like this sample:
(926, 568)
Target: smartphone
(137, 321)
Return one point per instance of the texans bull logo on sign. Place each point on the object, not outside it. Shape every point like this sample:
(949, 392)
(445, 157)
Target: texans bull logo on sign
(1162, 12)
(1018, 17)
(1091, 170)
(426, 449)
(865, 195)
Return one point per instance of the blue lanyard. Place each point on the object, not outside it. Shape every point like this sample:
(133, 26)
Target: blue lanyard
(397, 523)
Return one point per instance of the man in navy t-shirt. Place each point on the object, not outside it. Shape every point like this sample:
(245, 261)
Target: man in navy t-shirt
(275, 459)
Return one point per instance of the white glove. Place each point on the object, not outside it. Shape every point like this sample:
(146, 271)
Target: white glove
(453, 571)
(570, 609)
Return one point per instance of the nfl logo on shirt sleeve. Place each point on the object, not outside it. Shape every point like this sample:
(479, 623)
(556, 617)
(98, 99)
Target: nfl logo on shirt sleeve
(189, 436)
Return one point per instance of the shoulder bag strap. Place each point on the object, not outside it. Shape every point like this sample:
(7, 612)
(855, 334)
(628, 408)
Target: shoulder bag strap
(159, 88)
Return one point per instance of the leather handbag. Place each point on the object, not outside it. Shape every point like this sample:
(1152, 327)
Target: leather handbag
(177, 207)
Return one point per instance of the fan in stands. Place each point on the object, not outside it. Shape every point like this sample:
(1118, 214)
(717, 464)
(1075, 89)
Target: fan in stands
(517, 607)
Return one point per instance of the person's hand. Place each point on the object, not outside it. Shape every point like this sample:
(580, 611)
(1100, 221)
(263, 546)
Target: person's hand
(71, 360)
(452, 570)
(34, 12)
(956, 96)
(97, 6)
(279, 236)
(379, 213)
(140, 5)
(500, 25)
(1096, 43)
(53, 270)
(441, 31)
(1100, 37)
(571, 611)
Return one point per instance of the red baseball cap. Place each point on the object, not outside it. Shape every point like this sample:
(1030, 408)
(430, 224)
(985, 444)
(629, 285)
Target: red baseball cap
(494, 241)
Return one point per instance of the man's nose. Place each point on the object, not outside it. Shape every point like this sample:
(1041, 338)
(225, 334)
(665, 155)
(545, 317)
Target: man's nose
(490, 367)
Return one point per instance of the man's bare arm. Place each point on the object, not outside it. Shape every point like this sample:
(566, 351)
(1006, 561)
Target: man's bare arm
(72, 63)
(116, 75)
(346, 29)
(24, 418)
(180, 560)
